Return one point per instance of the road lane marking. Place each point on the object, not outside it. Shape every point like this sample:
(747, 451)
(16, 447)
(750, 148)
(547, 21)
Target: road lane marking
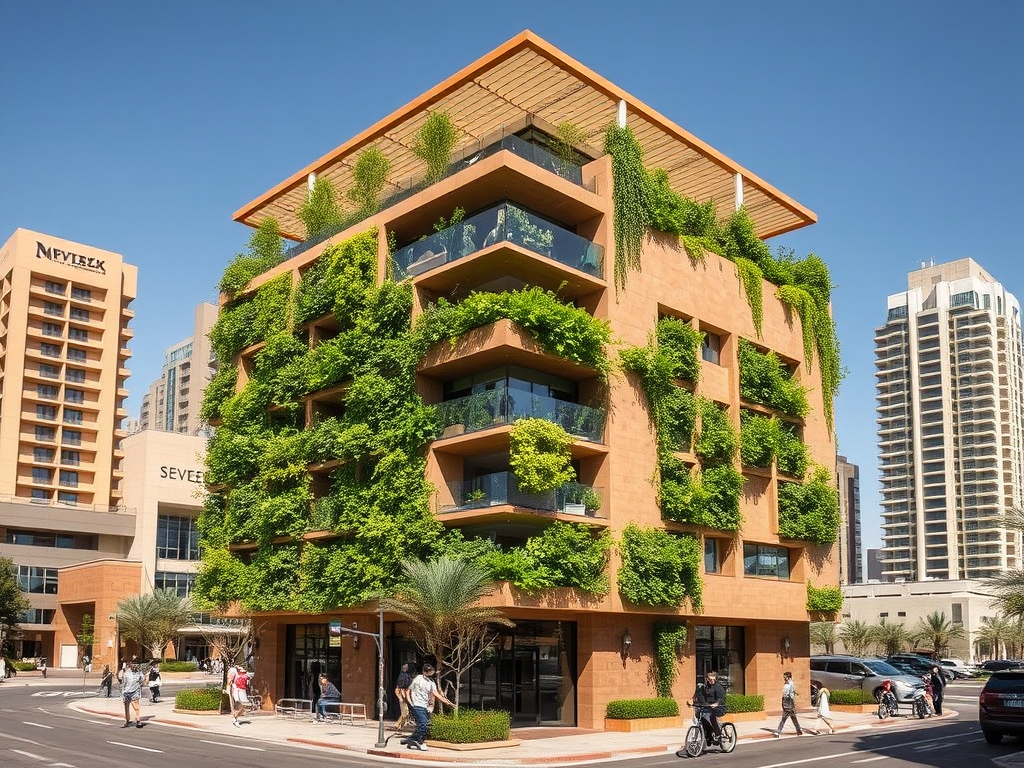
(61, 765)
(135, 746)
(28, 754)
(37, 725)
(872, 759)
(232, 746)
(838, 755)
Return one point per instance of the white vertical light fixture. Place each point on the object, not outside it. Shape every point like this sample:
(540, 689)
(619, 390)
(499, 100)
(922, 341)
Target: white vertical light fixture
(620, 119)
(739, 191)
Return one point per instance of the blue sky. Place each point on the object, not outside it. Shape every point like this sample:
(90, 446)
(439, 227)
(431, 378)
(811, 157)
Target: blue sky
(140, 127)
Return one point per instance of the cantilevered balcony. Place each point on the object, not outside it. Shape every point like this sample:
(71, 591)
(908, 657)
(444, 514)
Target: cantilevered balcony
(502, 406)
(502, 489)
(504, 223)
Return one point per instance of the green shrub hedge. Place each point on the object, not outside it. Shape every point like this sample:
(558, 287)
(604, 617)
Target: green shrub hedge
(852, 696)
(471, 726)
(24, 666)
(737, 702)
(632, 709)
(199, 699)
(178, 666)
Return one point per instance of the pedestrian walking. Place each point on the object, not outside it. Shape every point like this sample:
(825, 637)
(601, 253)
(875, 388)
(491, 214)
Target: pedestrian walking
(87, 663)
(41, 666)
(154, 683)
(3, 669)
(402, 694)
(938, 683)
(423, 693)
(238, 690)
(824, 713)
(131, 691)
(106, 679)
(788, 705)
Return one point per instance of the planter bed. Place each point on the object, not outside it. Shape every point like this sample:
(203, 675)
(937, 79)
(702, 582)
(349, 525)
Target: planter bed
(473, 746)
(743, 717)
(642, 724)
(858, 709)
(196, 711)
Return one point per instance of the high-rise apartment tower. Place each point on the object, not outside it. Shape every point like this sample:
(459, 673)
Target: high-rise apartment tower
(950, 401)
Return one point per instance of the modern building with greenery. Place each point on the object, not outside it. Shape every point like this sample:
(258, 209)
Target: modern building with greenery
(530, 322)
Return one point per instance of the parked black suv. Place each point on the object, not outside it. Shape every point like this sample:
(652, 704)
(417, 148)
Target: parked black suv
(997, 665)
(1001, 706)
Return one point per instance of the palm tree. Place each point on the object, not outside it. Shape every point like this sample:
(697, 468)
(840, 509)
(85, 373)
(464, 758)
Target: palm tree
(855, 636)
(990, 636)
(935, 632)
(892, 637)
(1009, 585)
(439, 600)
(823, 633)
(153, 619)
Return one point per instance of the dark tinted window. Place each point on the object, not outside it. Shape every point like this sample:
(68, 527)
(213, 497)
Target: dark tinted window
(818, 664)
(1005, 682)
(839, 667)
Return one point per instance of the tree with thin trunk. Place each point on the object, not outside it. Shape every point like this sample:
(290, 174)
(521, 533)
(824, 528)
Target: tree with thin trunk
(935, 632)
(439, 600)
(152, 620)
(13, 605)
(990, 637)
(823, 634)
(855, 637)
(890, 637)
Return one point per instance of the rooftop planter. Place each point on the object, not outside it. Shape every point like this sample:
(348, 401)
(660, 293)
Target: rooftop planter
(501, 488)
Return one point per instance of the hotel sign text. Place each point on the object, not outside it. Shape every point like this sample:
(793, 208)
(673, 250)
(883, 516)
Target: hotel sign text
(71, 259)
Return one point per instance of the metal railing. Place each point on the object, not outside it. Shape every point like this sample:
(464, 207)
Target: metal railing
(502, 488)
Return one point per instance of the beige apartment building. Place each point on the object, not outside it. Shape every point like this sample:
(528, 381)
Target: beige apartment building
(174, 400)
(64, 317)
(533, 219)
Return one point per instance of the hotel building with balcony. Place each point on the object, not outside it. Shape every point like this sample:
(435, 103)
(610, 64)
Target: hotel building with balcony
(534, 221)
(64, 333)
(950, 394)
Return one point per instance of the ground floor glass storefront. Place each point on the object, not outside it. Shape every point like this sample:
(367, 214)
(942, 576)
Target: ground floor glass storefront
(308, 654)
(721, 649)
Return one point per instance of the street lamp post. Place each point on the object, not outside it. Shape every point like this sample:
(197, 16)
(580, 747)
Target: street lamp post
(378, 638)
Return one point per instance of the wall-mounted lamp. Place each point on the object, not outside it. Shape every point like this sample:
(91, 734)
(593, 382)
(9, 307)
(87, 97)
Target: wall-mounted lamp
(627, 641)
(355, 638)
(786, 645)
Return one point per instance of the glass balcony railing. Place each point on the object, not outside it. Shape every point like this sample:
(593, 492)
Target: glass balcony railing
(503, 488)
(501, 405)
(408, 187)
(503, 223)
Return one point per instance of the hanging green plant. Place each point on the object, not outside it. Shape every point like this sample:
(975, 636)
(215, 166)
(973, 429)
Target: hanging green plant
(717, 440)
(265, 251)
(540, 455)
(810, 511)
(750, 276)
(669, 646)
(630, 198)
(680, 343)
(824, 599)
(434, 143)
(659, 568)
(219, 389)
(765, 380)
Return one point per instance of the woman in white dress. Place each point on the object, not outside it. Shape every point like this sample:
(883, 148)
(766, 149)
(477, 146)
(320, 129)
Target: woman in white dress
(823, 711)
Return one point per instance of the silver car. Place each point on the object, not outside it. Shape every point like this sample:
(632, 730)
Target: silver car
(849, 672)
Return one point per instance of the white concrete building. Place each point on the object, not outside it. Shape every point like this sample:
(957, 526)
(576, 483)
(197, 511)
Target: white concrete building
(950, 395)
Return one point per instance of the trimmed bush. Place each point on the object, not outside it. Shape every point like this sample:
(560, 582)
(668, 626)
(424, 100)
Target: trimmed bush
(24, 666)
(852, 696)
(178, 666)
(737, 702)
(634, 709)
(199, 699)
(471, 726)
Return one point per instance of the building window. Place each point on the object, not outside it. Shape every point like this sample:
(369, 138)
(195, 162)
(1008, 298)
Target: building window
(71, 437)
(711, 348)
(38, 616)
(49, 350)
(67, 497)
(72, 416)
(52, 329)
(55, 288)
(78, 355)
(46, 412)
(77, 334)
(762, 560)
(901, 614)
(884, 615)
(80, 314)
(710, 555)
(958, 613)
(69, 478)
(41, 475)
(897, 313)
(967, 298)
(47, 391)
(69, 458)
(180, 583)
(74, 396)
(48, 371)
(51, 308)
(42, 454)
(58, 540)
(47, 434)
(82, 294)
(38, 581)
(177, 538)
(75, 375)
(40, 494)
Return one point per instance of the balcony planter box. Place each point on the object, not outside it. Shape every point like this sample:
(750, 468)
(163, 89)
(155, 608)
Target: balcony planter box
(642, 724)
(575, 509)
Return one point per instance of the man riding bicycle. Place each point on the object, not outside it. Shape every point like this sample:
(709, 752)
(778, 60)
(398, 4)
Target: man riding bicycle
(711, 694)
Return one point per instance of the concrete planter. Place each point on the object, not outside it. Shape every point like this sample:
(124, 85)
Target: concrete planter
(743, 717)
(642, 724)
(196, 711)
(857, 709)
(474, 746)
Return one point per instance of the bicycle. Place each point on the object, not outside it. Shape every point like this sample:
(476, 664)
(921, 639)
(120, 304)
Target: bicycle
(700, 735)
(887, 705)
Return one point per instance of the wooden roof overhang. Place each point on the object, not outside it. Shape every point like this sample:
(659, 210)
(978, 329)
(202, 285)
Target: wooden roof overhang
(525, 77)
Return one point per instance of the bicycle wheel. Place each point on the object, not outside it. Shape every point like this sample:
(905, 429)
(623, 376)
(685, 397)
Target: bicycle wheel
(883, 711)
(694, 746)
(728, 737)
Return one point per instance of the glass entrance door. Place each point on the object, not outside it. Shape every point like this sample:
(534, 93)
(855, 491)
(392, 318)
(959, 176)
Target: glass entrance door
(308, 653)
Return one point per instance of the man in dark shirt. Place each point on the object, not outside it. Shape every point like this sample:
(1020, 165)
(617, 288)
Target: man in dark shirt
(402, 694)
(711, 694)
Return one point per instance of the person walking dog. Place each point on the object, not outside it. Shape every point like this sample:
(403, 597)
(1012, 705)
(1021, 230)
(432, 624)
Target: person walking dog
(788, 705)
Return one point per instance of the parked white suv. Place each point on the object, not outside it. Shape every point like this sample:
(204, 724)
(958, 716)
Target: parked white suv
(845, 672)
(958, 667)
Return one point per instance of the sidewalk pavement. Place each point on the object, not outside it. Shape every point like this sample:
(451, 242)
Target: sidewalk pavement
(548, 746)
